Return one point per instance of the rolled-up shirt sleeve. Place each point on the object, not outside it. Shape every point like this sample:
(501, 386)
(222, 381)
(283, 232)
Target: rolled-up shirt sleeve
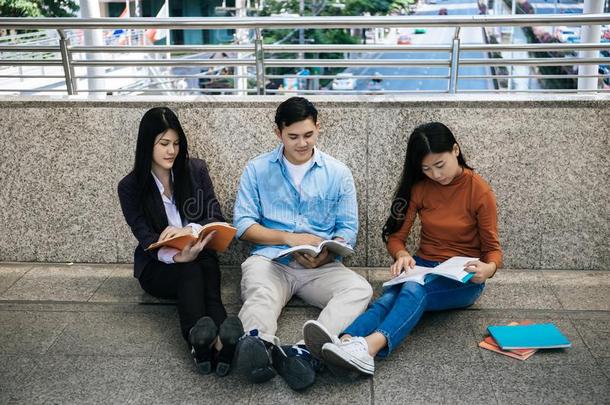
(346, 225)
(247, 210)
(166, 254)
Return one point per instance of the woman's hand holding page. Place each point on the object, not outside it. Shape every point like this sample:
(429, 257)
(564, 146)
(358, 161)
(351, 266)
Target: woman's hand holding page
(191, 251)
(404, 261)
(482, 271)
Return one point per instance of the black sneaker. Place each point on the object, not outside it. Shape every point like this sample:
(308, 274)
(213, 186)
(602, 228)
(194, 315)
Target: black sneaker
(252, 358)
(201, 337)
(230, 332)
(296, 365)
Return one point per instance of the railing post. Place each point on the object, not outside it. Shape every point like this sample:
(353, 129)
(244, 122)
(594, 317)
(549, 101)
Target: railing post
(66, 60)
(455, 62)
(259, 55)
(590, 34)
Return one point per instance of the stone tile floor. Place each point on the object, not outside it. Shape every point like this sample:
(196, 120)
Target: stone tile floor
(82, 334)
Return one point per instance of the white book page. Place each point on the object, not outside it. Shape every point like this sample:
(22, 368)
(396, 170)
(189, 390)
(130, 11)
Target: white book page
(338, 247)
(335, 246)
(454, 267)
(309, 249)
(417, 274)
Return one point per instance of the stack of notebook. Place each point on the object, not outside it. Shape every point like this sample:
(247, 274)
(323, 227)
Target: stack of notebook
(520, 340)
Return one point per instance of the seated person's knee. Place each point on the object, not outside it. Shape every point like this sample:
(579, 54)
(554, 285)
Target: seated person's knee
(414, 289)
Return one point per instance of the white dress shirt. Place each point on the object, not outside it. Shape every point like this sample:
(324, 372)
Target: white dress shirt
(166, 254)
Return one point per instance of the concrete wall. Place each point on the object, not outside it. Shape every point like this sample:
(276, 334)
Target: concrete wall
(547, 159)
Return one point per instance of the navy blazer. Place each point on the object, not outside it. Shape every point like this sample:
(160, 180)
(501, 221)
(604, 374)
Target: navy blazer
(204, 207)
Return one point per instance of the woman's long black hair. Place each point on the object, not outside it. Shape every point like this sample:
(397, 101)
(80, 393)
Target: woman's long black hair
(155, 122)
(432, 137)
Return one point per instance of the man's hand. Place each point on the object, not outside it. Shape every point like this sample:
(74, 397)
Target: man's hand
(404, 261)
(191, 251)
(296, 239)
(482, 271)
(310, 262)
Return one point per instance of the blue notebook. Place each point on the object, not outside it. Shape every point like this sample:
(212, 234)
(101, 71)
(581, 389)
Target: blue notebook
(534, 336)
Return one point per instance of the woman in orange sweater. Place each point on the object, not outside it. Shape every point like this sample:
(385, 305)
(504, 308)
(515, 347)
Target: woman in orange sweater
(457, 209)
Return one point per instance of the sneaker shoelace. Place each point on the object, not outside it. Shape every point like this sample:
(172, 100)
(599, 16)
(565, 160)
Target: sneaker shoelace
(302, 352)
(355, 345)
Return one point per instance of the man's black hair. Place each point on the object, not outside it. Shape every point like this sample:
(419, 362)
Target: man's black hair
(293, 110)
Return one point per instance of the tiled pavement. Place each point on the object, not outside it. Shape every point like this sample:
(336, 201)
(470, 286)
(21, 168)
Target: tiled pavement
(88, 334)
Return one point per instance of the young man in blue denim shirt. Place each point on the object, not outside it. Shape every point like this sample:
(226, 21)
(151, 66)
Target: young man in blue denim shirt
(294, 195)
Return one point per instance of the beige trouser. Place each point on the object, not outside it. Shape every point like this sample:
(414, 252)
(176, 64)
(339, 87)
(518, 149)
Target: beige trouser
(267, 286)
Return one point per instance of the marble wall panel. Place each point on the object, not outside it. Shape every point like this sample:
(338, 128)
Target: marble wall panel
(577, 190)
(57, 189)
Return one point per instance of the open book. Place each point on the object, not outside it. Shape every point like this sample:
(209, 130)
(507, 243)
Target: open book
(452, 268)
(220, 241)
(335, 246)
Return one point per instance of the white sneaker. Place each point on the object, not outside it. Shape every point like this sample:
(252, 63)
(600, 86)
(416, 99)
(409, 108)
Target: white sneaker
(315, 336)
(352, 354)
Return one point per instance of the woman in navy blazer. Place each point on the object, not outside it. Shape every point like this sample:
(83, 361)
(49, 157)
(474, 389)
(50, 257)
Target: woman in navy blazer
(164, 193)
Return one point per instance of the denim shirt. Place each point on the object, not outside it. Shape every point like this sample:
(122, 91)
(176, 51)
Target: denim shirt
(324, 206)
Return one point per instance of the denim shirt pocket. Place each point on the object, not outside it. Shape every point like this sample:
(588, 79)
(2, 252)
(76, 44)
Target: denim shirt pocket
(323, 212)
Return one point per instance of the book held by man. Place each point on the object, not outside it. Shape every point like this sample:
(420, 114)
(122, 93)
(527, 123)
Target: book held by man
(219, 242)
(452, 268)
(337, 247)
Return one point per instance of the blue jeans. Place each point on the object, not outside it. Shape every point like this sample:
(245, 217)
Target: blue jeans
(401, 306)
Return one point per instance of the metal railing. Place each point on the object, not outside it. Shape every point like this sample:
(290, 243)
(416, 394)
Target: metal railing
(258, 58)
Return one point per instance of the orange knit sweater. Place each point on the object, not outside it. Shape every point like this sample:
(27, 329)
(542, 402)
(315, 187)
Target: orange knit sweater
(458, 219)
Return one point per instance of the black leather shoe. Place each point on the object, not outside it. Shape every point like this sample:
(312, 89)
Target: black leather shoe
(296, 365)
(201, 337)
(230, 332)
(252, 359)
